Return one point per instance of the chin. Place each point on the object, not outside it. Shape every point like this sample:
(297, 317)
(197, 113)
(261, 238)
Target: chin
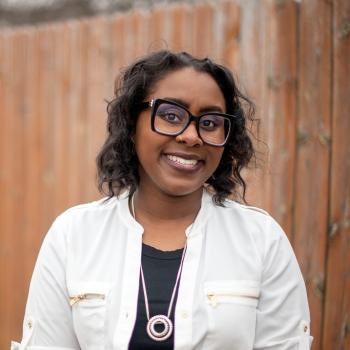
(179, 190)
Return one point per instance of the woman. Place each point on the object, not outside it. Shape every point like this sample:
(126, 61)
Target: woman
(167, 260)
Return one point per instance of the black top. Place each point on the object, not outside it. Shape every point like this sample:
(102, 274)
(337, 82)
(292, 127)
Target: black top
(160, 270)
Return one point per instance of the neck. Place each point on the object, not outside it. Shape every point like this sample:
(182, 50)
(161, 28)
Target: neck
(161, 207)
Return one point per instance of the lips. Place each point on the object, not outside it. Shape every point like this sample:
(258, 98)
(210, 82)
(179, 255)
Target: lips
(183, 161)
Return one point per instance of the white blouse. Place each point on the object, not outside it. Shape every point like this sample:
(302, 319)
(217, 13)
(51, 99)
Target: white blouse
(241, 287)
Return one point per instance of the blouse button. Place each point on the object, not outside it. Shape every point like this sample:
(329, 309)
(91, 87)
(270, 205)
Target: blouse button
(305, 329)
(30, 324)
(184, 314)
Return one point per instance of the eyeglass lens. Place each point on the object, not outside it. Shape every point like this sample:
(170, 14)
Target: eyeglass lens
(172, 120)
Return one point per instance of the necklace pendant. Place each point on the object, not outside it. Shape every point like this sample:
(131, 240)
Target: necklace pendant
(159, 320)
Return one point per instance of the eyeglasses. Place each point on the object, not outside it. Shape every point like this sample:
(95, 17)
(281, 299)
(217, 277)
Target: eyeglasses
(170, 118)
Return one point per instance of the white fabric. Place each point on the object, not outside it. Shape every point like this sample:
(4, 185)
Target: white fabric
(241, 286)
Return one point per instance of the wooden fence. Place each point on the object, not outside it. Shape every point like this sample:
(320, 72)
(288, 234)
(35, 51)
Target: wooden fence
(292, 57)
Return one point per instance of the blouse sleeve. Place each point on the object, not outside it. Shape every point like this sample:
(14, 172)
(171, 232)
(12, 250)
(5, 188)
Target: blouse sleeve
(48, 320)
(283, 319)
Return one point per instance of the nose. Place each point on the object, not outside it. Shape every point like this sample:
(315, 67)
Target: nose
(190, 136)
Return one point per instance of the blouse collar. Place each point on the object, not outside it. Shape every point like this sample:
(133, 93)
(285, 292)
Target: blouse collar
(191, 230)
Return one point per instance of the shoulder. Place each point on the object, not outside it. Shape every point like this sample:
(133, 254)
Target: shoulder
(251, 220)
(95, 207)
(246, 209)
(103, 204)
(240, 211)
(85, 223)
(87, 214)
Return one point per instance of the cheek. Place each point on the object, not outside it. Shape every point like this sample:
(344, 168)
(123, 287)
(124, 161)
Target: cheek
(141, 136)
(148, 146)
(144, 151)
(215, 157)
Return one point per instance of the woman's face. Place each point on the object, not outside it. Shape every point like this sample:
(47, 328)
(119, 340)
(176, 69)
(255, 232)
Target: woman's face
(179, 166)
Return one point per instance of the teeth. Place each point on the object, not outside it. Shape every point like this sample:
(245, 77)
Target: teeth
(182, 161)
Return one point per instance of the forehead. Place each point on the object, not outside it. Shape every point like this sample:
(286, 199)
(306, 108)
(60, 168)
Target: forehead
(197, 89)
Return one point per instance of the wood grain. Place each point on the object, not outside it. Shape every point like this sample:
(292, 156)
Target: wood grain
(203, 30)
(313, 152)
(279, 108)
(181, 26)
(336, 331)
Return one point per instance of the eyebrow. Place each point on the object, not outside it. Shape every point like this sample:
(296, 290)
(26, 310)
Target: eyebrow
(205, 109)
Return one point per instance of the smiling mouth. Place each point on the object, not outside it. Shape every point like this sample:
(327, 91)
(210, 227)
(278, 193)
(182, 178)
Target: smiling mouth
(182, 161)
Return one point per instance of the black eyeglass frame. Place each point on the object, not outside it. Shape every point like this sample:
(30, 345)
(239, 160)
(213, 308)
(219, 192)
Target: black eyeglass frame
(154, 104)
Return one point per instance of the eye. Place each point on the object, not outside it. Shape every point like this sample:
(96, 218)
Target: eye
(208, 123)
(211, 122)
(171, 117)
(171, 114)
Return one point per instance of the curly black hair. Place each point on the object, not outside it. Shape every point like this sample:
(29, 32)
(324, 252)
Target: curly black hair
(117, 162)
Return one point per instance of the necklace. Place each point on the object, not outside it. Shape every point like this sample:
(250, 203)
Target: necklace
(163, 320)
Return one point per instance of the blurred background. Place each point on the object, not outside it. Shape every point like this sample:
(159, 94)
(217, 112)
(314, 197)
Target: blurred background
(58, 62)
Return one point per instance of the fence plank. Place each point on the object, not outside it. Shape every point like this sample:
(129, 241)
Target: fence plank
(313, 153)
(12, 269)
(181, 26)
(203, 30)
(229, 36)
(6, 205)
(279, 108)
(159, 28)
(46, 85)
(76, 113)
(336, 331)
(139, 27)
(251, 73)
(33, 230)
(59, 66)
(99, 54)
(119, 34)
